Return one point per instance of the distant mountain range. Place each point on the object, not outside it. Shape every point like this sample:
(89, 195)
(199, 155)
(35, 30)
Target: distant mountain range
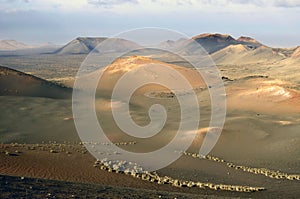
(222, 47)
(210, 42)
(12, 45)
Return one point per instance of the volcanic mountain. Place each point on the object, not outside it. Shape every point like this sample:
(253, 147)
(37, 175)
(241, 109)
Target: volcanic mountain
(84, 45)
(214, 42)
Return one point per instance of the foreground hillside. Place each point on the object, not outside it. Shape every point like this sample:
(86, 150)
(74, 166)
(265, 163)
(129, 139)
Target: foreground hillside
(13, 82)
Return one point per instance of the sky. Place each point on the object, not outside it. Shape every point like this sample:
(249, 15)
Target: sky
(274, 23)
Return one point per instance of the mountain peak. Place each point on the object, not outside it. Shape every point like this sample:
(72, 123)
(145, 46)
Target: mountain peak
(213, 36)
(90, 38)
(247, 40)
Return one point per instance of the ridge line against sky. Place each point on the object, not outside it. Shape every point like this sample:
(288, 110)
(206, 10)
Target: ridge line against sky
(274, 23)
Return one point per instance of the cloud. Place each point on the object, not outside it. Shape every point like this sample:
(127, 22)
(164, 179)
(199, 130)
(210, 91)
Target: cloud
(146, 6)
(287, 3)
(261, 3)
(110, 3)
(250, 2)
(14, 1)
(217, 3)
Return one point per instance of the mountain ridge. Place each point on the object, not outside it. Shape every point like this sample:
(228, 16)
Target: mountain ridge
(211, 42)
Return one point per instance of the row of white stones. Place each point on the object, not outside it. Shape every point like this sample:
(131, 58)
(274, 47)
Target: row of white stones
(108, 143)
(136, 171)
(263, 171)
(80, 143)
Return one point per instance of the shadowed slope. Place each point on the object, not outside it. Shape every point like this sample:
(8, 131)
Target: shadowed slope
(13, 82)
(214, 42)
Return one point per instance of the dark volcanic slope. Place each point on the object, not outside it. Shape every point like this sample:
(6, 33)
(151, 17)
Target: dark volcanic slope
(215, 42)
(13, 82)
